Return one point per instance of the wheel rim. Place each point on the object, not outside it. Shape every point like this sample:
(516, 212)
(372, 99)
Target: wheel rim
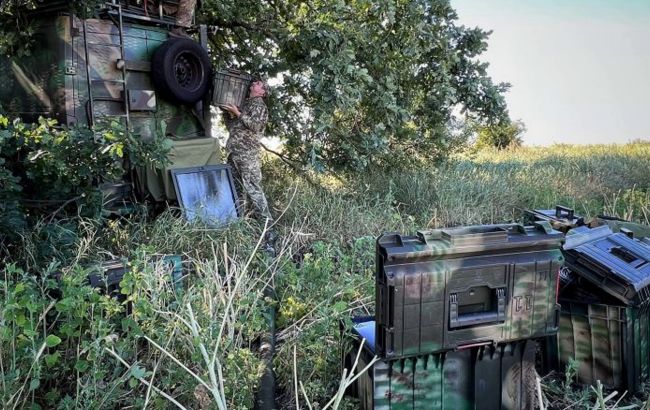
(188, 71)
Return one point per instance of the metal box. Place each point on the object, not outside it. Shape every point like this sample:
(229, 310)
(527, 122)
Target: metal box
(230, 87)
(448, 288)
(609, 343)
(75, 78)
(108, 275)
(615, 262)
(484, 377)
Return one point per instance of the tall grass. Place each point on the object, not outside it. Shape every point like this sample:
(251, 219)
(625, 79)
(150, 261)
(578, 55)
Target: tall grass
(199, 347)
(495, 186)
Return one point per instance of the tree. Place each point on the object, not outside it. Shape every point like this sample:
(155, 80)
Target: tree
(362, 81)
(500, 135)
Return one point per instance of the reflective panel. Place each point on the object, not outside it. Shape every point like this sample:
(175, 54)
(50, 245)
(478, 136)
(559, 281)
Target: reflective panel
(206, 193)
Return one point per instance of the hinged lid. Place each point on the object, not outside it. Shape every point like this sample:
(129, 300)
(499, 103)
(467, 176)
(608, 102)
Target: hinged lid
(477, 240)
(616, 262)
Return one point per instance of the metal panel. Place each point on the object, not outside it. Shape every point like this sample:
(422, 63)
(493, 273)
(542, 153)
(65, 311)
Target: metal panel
(484, 377)
(435, 294)
(609, 343)
(142, 100)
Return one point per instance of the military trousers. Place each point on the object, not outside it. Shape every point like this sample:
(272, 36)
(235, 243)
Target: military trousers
(247, 173)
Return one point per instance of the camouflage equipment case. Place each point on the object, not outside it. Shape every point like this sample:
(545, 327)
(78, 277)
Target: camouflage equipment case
(483, 377)
(615, 262)
(610, 344)
(447, 288)
(108, 275)
(605, 317)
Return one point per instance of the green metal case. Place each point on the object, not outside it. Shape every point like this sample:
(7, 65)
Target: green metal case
(483, 377)
(609, 343)
(453, 287)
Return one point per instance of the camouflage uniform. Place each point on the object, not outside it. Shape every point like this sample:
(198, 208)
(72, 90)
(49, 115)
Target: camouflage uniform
(243, 148)
(185, 12)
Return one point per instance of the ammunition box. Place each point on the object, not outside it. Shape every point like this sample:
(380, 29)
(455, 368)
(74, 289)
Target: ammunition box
(609, 343)
(615, 262)
(483, 377)
(448, 288)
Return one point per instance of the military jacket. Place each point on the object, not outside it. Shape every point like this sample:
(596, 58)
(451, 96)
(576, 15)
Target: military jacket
(247, 129)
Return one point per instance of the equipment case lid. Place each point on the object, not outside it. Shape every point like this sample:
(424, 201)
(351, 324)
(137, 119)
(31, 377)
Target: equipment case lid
(616, 262)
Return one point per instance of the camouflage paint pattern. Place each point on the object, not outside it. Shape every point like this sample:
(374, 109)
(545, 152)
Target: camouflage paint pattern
(53, 80)
(416, 280)
(243, 148)
(486, 377)
(609, 343)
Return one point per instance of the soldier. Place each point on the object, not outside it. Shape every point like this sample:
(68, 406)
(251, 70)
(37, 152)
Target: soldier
(246, 127)
(183, 16)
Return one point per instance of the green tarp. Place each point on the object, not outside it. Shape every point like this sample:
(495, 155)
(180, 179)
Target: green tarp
(184, 154)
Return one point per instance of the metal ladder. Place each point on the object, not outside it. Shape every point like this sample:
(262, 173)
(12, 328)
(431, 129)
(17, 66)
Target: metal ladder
(124, 98)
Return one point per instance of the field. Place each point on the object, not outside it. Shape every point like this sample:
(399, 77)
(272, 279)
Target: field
(64, 345)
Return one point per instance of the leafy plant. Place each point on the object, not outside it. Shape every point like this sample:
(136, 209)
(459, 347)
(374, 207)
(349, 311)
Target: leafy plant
(501, 135)
(365, 82)
(47, 169)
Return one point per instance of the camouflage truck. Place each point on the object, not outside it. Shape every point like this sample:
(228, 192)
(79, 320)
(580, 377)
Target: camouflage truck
(124, 65)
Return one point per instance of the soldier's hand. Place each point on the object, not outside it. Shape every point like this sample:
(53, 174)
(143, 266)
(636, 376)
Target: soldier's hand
(231, 109)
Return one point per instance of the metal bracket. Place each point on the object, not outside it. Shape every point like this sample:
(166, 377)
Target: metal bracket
(70, 70)
(501, 303)
(453, 308)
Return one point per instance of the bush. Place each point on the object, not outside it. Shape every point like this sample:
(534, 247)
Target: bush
(46, 170)
(500, 135)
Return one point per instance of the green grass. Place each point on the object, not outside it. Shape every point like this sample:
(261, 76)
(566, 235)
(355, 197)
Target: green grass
(324, 274)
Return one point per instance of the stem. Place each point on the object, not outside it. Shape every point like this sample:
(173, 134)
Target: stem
(162, 393)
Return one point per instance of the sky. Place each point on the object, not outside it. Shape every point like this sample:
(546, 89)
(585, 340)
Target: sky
(579, 69)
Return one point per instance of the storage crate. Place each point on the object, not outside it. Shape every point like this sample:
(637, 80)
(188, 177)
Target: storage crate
(230, 87)
(610, 344)
(615, 262)
(107, 276)
(482, 377)
(452, 287)
(561, 218)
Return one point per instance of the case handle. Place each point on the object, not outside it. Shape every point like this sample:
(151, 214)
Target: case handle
(559, 210)
(476, 235)
(496, 314)
(625, 255)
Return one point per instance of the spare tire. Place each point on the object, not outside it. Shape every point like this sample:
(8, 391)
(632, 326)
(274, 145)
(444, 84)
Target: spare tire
(180, 69)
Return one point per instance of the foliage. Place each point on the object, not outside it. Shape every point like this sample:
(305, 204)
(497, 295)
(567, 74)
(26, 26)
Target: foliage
(64, 344)
(51, 168)
(363, 82)
(314, 297)
(323, 274)
(505, 134)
